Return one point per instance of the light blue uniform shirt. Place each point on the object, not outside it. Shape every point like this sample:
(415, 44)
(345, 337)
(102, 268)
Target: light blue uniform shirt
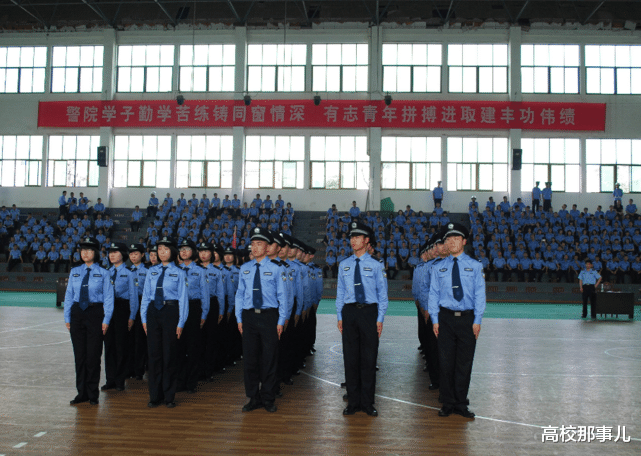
(216, 286)
(140, 275)
(424, 291)
(304, 279)
(374, 284)
(295, 276)
(197, 286)
(472, 281)
(438, 193)
(124, 287)
(100, 290)
(590, 277)
(174, 288)
(272, 283)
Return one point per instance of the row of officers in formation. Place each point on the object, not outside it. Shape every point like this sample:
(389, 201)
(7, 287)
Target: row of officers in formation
(190, 313)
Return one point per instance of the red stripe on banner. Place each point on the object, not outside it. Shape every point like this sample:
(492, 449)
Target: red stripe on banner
(329, 114)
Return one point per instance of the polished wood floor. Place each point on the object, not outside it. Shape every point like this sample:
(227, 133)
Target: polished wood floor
(527, 374)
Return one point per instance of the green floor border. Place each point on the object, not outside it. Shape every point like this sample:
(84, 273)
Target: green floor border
(548, 311)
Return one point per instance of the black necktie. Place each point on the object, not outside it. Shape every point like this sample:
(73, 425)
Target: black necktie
(457, 288)
(84, 291)
(359, 290)
(113, 277)
(159, 291)
(258, 291)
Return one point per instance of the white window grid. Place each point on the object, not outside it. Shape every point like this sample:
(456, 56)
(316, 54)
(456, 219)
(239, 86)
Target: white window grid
(410, 163)
(340, 67)
(72, 161)
(20, 161)
(142, 161)
(477, 68)
(550, 68)
(274, 161)
(204, 161)
(477, 164)
(553, 160)
(613, 69)
(339, 162)
(611, 161)
(76, 69)
(412, 67)
(145, 68)
(276, 67)
(22, 69)
(207, 68)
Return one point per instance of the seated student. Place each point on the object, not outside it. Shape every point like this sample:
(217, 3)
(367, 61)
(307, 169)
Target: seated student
(443, 220)
(498, 267)
(438, 209)
(108, 225)
(538, 268)
(635, 270)
(392, 265)
(413, 261)
(611, 271)
(434, 220)
(14, 257)
(552, 269)
(65, 258)
(597, 265)
(624, 269)
(564, 268)
(485, 261)
(40, 260)
(525, 268)
(330, 264)
(631, 209)
(576, 265)
(342, 255)
(404, 255)
(53, 257)
(512, 266)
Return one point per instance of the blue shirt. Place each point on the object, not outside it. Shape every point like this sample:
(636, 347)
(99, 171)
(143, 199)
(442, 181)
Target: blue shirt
(295, 275)
(124, 287)
(472, 281)
(536, 193)
(590, 277)
(438, 193)
(100, 290)
(547, 193)
(272, 282)
(197, 286)
(617, 194)
(216, 282)
(140, 275)
(374, 284)
(173, 286)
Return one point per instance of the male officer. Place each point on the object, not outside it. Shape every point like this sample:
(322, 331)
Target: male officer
(261, 311)
(437, 193)
(361, 304)
(536, 197)
(589, 280)
(547, 196)
(456, 306)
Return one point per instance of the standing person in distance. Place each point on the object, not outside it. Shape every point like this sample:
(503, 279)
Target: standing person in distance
(261, 311)
(164, 310)
(361, 304)
(547, 196)
(456, 306)
(437, 194)
(589, 280)
(536, 197)
(88, 306)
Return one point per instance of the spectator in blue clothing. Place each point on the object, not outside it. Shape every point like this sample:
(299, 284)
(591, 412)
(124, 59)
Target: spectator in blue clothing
(437, 194)
(354, 211)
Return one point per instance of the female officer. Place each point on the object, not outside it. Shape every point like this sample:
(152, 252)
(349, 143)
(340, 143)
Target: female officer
(89, 303)
(153, 257)
(189, 347)
(163, 310)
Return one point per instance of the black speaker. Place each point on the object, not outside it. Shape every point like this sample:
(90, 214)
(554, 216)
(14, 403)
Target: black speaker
(516, 159)
(102, 156)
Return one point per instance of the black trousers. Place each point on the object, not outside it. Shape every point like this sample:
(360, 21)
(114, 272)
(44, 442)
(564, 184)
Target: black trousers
(547, 204)
(116, 346)
(421, 328)
(431, 354)
(213, 359)
(260, 354)
(86, 339)
(456, 345)
(162, 345)
(189, 348)
(438, 200)
(140, 344)
(535, 205)
(286, 350)
(360, 350)
(589, 292)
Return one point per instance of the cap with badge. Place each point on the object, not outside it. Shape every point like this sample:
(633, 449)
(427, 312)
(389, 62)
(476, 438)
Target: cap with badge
(358, 229)
(276, 238)
(455, 229)
(166, 240)
(154, 249)
(89, 242)
(119, 247)
(205, 246)
(229, 251)
(136, 248)
(261, 234)
(187, 243)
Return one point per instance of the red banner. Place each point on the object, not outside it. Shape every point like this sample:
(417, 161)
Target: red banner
(329, 114)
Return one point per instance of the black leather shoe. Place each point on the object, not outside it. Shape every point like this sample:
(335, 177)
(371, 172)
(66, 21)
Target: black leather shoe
(138, 377)
(376, 368)
(297, 372)
(252, 405)
(76, 401)
(152, 404)
(370, 410)
(270, 407)
(170, 404)
(93, 401)
(445, 411)
(288, 381)
(279, 393)
(120, 388)
(107, 386)
(192, 391)
(465, 413)
(350, 410)
(345, 397)
(433, 386)
(425, 369)
(344, 385)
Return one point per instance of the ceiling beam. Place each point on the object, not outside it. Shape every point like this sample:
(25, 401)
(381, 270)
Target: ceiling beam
(518, 16)
(508, 11)
(449, 12)
(96, 10)
(593, 12)
(233, 10)
(39, 19)
(244, 21)
(164, 10)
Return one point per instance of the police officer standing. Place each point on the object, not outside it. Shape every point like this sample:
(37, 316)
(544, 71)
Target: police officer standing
(589, 280)
(164, 310)
(456, 306)
(361, 304)
(536, 197)
(125, 309)
(88, 306)
(136, 256)
(547, 196)
(261, 311)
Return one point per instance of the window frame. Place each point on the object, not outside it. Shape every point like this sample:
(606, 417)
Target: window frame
(258, 164)
(550, 77)
(146, 68)
(79, 67)
(341, 67)
(278, 67)
(412, 164)
(342, 164)
(28, 163)
(42, 69)
(475, 168)
(208, 67)
(477, 68)
(142, 161)
(205, 168)
(412, 68)
(91, 162)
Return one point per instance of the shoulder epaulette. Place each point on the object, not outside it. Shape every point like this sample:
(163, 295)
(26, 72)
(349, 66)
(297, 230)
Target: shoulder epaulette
(276, 262)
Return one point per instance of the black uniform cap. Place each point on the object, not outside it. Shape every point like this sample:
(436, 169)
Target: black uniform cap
(89, 242)
(166, 240)
(261, 234)
(136, 248)
(455, 229)
(358, 229)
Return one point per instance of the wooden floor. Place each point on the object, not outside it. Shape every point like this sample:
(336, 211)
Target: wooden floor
(527, 374)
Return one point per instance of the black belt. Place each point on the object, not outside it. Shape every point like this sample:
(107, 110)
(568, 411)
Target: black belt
(172, 302)
(457, 313)
(194, 301)
(271, 309)
(359, 305)
(121, 301)
(89, 304)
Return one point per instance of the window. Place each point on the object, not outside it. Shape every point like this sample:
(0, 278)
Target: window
(340, 67)
(553, 160)
(22, 69)
(613, 69)
(207, 68)
(410, 163)
(145, 68)
(412, 67)
(77, 69)
(339, 162)
(142, 161)
(72, 161)
(550, 68)
(200, 161)
(276, 67)
(477, 68)
(20, 161)
(274, 161)
(477, 164)
(611, 161)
